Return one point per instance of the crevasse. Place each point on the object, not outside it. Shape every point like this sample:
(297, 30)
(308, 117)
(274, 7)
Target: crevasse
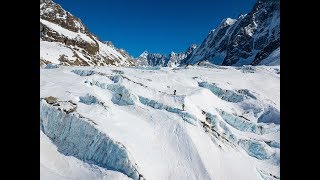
(157, 105)
(121, 95)
(248, 126)
(77, 136)
(227, 95)
(83, 72)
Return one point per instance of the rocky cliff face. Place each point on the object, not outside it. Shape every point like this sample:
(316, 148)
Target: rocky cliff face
(246, 40)
(65, 40)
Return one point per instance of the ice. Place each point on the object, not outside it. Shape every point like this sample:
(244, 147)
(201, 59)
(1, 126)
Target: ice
(247, 126)
(239, 123)
(256, 149)
(76, 136)
(88, 99)
(81, 72)
(146, 68)
(121, 95)
(51, 66)
(247, 93)
(273, 144)
(117, 71)
(270, 115)
(218, 126)
(117, 78)
(247, 69)
(154, 104)
(227, 95)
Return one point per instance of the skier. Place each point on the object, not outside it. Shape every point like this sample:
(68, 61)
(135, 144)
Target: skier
(182, 107)
(174, 92)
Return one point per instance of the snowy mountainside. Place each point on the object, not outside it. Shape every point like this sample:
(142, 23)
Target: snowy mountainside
(65, 40)
(161, 60)
(126, 123)
(247, 40)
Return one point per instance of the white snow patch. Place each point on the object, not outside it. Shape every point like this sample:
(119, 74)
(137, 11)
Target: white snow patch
(66, 32)
(51, 51)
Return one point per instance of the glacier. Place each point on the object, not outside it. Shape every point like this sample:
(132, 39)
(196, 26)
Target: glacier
(77, 136)
(127, 123)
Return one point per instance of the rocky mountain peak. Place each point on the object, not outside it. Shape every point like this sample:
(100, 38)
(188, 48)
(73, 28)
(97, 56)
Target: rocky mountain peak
(65, 40)
(246, 40)
(172, 60)
(54, 13)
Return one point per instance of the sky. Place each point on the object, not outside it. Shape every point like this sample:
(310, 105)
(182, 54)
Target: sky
(157, 26)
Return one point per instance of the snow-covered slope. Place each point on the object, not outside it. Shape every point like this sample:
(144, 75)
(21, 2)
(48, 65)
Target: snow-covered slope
(246, 40)
(273, 59)
(119, 123)
(65, 40)
(161, 60)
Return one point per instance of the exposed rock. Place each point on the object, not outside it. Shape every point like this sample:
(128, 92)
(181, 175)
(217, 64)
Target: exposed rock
(162, 60)
(58, 25)
(246, 40)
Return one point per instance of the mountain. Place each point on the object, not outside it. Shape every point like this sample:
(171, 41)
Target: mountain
(152, 59)
(126, 123)
(155, 59)
(65, 40)
(249, 39)
(176, 59)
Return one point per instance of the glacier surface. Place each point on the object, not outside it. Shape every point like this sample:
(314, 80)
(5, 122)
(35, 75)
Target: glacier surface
(127, 123)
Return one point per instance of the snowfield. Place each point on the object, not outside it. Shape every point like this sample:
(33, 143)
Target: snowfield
(126, 123)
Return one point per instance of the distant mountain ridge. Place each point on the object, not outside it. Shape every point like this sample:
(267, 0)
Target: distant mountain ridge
(251, 39)
(162, 60)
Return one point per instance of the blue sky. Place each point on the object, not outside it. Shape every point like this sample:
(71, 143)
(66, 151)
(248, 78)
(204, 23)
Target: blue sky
(158, 26)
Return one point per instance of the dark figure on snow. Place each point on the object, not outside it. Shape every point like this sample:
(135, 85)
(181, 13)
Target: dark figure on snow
(174, 92)
(182, 107)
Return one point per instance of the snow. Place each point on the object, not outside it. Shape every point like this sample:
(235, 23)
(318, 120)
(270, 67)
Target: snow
(218, 58)
(149, 135)
(52, 51)
(273, 59)
(229, 21)
(248, 30)
(54, 165)
(112, 53)
(65, 32)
